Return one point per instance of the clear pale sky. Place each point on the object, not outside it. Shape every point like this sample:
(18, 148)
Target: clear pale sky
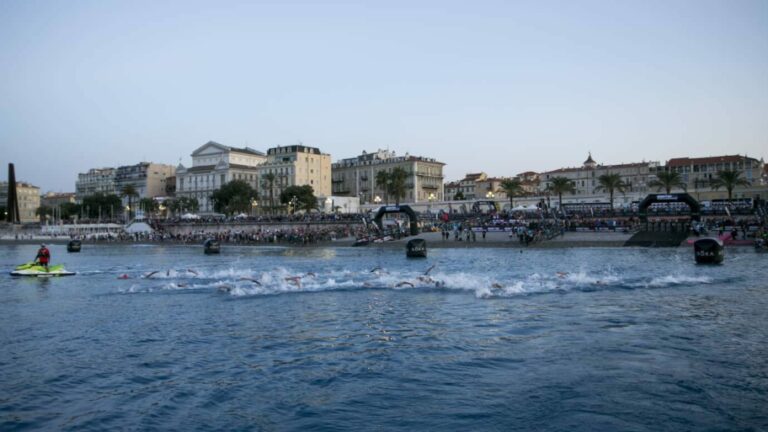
(495, 86)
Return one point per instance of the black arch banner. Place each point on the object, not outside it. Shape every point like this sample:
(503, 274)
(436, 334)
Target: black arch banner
(398, 209)
(667, 198)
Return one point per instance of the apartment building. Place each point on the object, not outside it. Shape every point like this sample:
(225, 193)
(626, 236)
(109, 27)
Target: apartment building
(96, 180)
(294, 165)
(356, 176)
(28, 197)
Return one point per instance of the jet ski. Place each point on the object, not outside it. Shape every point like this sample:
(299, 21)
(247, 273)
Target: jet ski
(35, 269)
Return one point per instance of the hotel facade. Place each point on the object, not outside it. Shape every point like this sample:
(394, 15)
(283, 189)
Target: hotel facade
(356, 177)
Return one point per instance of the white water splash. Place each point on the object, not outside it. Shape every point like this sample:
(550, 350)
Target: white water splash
(243, 282)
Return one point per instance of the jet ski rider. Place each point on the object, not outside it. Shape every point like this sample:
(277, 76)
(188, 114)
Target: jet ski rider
(43, 256)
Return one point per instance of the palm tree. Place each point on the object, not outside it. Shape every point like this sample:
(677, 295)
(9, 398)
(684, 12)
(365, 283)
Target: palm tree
(382, 182)
(269, 183)
(397, 179)
(129, 191)
(668, 180)
(512, 187)
(559, 185)
(729, 179)
(611, 182)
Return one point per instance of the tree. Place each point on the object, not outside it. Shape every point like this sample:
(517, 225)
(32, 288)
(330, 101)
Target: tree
(43, 212)
(560, 185)
(149, 205)
(268, 182)
(129, 191)
(98, 204)
(459, 196)
(233, 197)
(728, 179)
(392, 183)
(68, 210)
(190, 204)
(611, 182)
(512, 187)
(667, 180)
(3, 210)
(397, 179)
(382, 182)
(301, 197)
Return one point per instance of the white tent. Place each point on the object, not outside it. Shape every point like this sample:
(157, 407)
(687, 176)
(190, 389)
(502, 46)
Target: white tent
(190, 216)
(138, 227)
(529, 208)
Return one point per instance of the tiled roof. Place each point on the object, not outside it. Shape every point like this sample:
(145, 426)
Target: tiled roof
(704, 160)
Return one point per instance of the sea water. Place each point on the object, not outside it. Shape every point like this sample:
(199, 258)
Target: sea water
(163, 337)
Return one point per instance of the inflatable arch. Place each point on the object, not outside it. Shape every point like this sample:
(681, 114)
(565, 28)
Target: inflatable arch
(398, 209)
(667, 198)
(477, 205)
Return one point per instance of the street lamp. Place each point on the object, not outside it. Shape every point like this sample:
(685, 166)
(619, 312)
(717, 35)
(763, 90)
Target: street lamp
(377, 199)
(489, 195)
(254, 204)
(431, 198)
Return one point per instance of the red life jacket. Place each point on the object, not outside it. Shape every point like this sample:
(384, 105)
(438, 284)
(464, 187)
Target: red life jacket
(43, 255)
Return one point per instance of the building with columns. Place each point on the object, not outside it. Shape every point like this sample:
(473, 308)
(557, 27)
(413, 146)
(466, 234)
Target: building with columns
(214, 165)
(357, 177)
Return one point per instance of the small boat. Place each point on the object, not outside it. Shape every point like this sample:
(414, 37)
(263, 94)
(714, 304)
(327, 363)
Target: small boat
(36, 270)
(211, 246)
(74, 246)
(709, 250)
(416, 248)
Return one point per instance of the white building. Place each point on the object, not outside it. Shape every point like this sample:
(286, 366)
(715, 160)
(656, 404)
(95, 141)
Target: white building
(214, 165)
(585, 180)
(96, 180)
(356, 177)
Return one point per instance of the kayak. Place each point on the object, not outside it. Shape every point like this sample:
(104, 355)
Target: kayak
(33, 269)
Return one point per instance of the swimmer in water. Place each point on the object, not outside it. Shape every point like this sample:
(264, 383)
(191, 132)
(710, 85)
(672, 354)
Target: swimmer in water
(404, 283)
(150, 274)
(561, 275)
(496, 285)
(123, 276)
(250, 280)
(296, 280)
(192, 271)
(430, 280)
(429, 269)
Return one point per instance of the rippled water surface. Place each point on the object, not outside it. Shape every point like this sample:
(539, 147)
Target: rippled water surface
(361, 339)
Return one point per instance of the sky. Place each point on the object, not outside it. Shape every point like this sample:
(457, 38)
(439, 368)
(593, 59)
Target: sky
(496, 86)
